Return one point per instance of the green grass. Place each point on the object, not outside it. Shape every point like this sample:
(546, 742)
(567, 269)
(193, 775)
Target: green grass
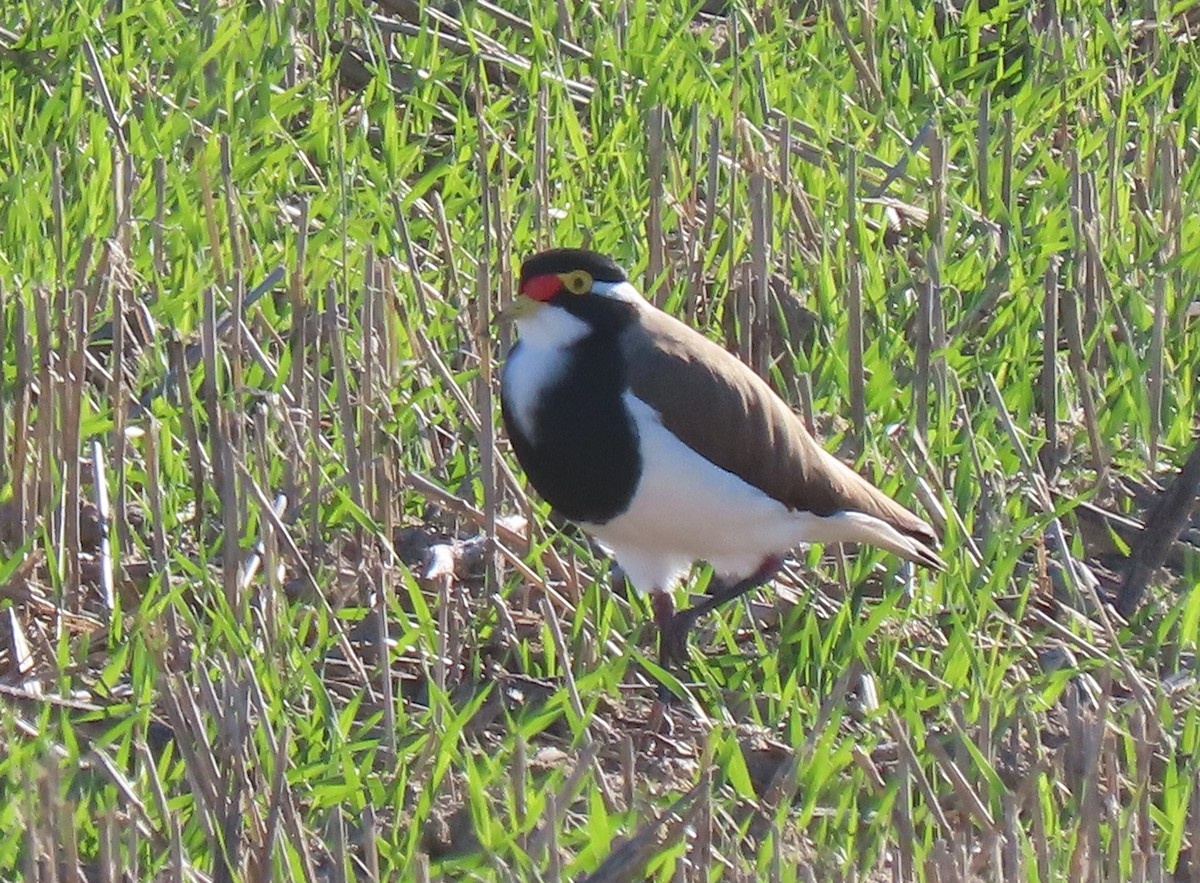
(245, 728)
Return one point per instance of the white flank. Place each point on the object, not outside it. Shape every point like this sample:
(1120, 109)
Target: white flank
(538, 362)
(686, 508)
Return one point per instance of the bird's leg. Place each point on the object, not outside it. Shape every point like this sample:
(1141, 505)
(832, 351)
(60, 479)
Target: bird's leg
(727, 592)
(672, 638)
(674, 626)
(664, 617)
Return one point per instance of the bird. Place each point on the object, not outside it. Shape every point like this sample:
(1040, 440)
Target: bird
(669, 450)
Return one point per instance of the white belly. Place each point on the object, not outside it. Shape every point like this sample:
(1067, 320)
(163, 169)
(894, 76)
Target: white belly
(686, 509)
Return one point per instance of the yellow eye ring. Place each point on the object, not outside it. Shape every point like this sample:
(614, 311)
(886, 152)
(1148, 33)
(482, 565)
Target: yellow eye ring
(577, 282)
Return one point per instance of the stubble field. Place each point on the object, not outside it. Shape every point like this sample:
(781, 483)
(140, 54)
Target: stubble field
(274, 602)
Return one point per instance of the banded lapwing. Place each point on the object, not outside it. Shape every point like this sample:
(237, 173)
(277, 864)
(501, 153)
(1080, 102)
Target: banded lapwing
(669, 450)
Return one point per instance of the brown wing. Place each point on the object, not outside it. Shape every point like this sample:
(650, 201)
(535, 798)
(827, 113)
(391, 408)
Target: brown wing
(729, 415)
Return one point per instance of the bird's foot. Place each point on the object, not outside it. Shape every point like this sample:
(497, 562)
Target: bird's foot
(673, 629)
(673, 638)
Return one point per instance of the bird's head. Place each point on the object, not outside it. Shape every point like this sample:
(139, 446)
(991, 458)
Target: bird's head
(569, 288)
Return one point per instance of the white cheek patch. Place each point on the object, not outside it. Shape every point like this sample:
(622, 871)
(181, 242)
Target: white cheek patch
(527, 372)
(538, 362)
(551, 328)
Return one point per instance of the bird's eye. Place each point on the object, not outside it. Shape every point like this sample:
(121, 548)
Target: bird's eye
(577, 282)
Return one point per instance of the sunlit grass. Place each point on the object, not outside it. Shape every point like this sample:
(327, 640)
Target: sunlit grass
(242, 105)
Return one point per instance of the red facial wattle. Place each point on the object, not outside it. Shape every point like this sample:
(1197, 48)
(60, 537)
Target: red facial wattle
(541, 288)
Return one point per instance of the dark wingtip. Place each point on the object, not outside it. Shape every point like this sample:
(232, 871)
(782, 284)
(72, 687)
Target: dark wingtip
(925, 543)
(931, 559)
